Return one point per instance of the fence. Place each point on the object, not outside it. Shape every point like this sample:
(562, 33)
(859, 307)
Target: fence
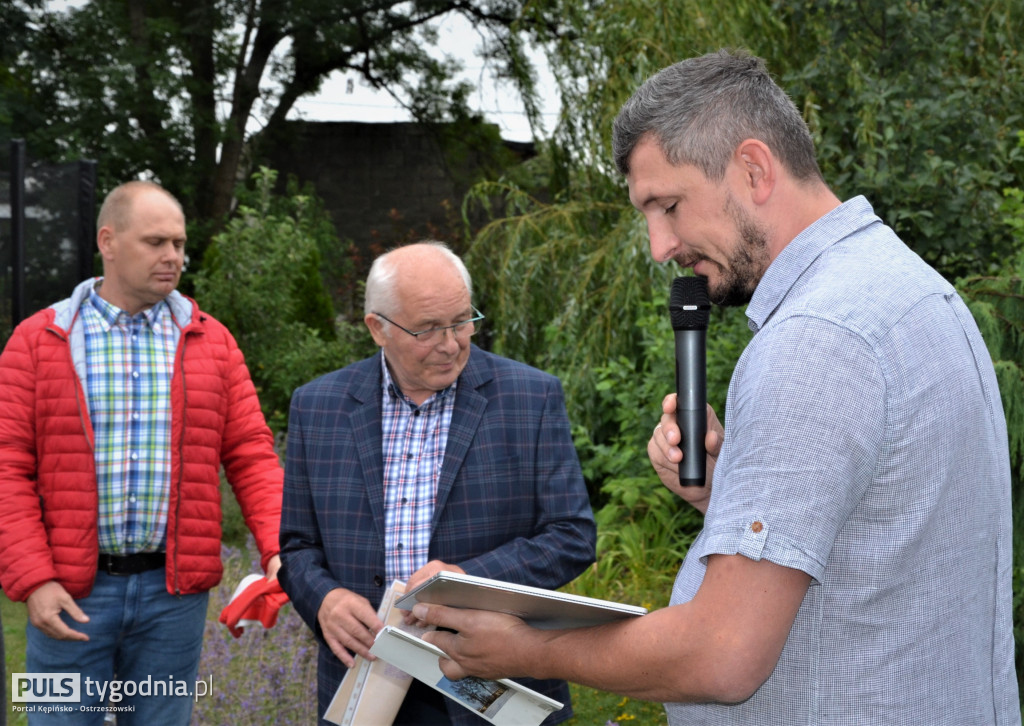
(47, 232)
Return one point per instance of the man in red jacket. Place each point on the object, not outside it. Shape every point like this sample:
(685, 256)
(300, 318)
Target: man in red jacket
(118, 407)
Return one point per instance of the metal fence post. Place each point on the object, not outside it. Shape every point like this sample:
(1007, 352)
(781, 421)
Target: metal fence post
(17, 231)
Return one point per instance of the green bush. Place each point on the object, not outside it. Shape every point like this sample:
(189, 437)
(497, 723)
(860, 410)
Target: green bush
(261, 277)
(915, 105)
(997, 303)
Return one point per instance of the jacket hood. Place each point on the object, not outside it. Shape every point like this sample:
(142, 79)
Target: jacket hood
(66, 310)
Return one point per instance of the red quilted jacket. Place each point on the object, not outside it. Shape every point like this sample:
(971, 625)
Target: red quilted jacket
(48, 497)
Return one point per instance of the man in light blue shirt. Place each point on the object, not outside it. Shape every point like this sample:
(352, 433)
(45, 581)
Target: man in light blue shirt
(855, 561)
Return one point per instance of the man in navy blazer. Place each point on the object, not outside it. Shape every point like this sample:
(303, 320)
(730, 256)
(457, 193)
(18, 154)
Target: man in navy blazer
(431, 455)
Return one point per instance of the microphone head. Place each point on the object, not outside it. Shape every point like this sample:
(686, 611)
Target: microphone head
(689, 304)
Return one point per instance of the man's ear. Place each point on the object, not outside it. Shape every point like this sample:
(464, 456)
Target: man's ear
(105, 242)
(376, 327)
(759, 168)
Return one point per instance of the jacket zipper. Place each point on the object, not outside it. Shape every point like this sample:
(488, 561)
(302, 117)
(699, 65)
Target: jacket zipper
(181, 463)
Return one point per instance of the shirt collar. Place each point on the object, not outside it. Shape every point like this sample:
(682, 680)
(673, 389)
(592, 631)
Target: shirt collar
(391, 389)
(111, 314)
(801, 252)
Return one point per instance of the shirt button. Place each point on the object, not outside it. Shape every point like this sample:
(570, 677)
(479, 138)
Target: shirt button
(400, 545)
(756, 527)
(135, 456)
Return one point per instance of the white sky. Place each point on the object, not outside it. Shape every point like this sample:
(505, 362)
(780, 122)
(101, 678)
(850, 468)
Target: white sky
(345, 98)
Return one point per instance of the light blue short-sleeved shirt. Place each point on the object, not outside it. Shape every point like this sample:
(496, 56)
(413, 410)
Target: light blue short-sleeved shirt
(866, 446)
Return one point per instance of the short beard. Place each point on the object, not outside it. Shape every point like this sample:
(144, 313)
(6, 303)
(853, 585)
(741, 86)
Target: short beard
(747, 264)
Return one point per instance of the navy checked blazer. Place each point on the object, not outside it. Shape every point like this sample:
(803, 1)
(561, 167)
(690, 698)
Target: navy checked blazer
(511, 501)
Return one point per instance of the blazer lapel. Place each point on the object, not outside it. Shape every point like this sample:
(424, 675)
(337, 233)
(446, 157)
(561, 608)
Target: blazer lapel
(470, 405)
(366, 432)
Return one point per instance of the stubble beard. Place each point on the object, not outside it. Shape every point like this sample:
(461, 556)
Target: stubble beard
(746, 265)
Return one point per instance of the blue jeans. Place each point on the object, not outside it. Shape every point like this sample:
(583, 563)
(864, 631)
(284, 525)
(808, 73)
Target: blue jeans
(142, 656)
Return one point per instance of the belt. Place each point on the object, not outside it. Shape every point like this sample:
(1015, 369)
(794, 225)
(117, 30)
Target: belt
(132, 564)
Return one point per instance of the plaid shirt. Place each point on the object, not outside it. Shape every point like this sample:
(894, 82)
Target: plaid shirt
(414, 442)
(129, 365)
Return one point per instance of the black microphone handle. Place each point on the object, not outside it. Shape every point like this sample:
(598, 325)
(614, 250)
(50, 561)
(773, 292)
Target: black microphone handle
(691, 404)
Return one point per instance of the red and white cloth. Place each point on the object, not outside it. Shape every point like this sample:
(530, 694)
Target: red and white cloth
(255, 601)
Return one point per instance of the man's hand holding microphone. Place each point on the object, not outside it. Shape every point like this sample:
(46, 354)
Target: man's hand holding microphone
(686, 442)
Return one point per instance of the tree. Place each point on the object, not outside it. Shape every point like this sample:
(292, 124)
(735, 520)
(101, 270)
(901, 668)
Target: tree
(262, 280)
(914, 104)
(173, 87)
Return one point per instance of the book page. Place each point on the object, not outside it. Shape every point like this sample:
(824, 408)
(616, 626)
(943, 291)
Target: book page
(372, 691)
(502, 702)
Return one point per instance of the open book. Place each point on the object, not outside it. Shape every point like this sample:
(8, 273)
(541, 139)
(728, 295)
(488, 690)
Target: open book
(372, 691)
(545, 609)
(502, 702)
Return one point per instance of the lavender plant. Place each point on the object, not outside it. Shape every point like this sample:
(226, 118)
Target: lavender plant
(266, 675)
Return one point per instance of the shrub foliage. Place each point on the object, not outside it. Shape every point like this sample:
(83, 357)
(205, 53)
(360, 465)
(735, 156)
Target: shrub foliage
(261, 277)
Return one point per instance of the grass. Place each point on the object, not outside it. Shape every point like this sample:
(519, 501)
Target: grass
(594, 708)
(13, 614)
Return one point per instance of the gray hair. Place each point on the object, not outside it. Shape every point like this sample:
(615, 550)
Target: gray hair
(699, 110)
(380, 282)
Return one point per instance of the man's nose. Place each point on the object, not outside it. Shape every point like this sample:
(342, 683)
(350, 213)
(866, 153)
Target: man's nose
(665, 245)
(172, 253)
(447, 341)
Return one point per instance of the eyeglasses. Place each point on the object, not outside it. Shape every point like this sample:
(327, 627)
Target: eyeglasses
(431, 336)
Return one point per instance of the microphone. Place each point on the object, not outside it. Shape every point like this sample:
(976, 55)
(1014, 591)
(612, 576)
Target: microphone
(690, 308)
